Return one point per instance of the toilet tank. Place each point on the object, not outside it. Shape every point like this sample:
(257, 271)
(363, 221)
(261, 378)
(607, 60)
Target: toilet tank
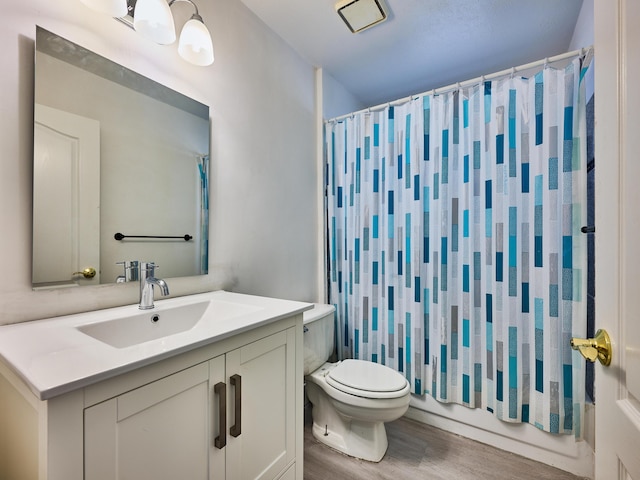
(318, 336)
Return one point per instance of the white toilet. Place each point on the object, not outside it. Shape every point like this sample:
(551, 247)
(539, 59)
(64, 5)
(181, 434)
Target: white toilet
(351, 399)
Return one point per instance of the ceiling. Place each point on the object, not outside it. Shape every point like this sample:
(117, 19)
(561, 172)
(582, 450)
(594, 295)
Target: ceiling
(423, 44)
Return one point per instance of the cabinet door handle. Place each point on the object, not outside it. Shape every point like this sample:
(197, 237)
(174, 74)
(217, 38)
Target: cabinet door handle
(220, 389)
(236, 429)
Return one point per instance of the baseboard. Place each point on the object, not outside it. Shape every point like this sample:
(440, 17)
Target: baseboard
(560, 451)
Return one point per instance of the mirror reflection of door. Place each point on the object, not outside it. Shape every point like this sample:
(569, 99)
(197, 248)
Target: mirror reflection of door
(66, 206)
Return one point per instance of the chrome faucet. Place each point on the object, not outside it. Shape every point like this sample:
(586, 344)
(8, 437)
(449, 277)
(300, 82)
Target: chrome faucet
(131, 272)
(147, 281)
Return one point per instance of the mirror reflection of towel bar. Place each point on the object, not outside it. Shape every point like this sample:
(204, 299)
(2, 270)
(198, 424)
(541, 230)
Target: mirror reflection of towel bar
(120, 236)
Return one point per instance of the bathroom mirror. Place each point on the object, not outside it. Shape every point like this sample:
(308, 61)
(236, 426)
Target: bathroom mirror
(114, 153)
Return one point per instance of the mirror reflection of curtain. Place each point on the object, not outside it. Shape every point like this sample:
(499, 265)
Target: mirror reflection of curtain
(203, 170)
(455, 251)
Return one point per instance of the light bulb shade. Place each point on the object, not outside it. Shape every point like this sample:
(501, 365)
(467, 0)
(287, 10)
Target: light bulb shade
(153, 19)
(113, 8)
(195, 44)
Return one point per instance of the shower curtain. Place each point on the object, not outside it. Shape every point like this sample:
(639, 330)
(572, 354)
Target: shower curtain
(455, 251)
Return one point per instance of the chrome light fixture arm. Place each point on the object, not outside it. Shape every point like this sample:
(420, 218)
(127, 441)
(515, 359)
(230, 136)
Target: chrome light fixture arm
(195, 15)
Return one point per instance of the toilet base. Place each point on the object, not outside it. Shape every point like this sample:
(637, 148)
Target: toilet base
(364, 440)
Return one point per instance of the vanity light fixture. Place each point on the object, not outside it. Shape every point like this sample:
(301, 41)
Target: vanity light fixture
(153, 20)
(361, 14)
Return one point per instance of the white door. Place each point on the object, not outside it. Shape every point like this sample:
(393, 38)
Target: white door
(66, 200)
(617, 143)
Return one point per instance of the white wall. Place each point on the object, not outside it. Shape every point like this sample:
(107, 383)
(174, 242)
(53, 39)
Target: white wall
(583, 35)
(337, 100)
(263, 205)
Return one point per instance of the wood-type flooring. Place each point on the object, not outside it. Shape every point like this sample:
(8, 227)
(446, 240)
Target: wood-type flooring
(418, 451)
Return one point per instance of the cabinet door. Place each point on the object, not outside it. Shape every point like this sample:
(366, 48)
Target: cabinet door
(158, 431)
(265, 445)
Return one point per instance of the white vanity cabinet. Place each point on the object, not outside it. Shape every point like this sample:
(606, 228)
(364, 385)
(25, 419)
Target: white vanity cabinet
(231, 409)
(230, 417)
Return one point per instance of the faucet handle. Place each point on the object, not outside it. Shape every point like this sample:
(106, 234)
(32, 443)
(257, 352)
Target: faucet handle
(149, 268)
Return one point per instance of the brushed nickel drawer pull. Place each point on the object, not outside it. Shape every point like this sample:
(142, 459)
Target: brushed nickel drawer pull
(220, 389)
(236, 429)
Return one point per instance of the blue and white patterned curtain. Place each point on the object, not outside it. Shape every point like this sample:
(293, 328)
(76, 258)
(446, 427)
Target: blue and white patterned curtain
(455, 251)
(203, 173)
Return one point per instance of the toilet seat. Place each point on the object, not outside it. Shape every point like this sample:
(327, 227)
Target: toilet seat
(367, 379)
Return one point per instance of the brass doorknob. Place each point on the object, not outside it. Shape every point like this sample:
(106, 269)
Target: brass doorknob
(88, 272)
(598, 347)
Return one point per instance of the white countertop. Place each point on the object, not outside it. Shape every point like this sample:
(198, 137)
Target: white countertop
(53, 356)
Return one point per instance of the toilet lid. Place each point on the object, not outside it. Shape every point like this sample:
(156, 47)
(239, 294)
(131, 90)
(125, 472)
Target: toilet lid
(367, 379)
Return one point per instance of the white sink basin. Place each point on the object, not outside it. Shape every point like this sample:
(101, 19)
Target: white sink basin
(146, 326)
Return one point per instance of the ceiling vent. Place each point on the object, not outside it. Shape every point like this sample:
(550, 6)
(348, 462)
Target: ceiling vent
(361, 14)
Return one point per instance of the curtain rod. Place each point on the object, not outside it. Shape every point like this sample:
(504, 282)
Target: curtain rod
(457, 85)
